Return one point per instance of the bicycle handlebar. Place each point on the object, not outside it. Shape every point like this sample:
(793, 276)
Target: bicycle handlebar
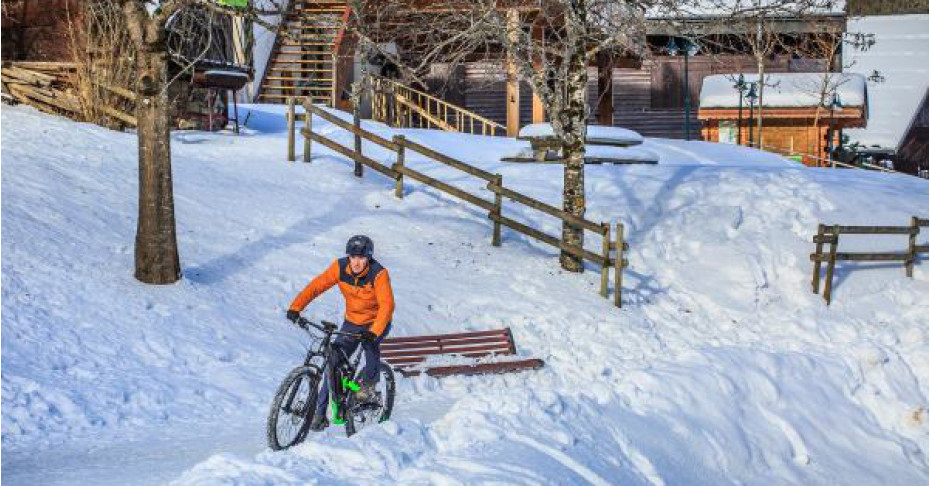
(327, 327)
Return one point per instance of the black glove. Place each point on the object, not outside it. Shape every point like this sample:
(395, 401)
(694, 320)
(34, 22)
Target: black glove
(293, 316)
(368, 336)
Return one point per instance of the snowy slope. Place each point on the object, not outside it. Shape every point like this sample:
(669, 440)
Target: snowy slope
(722, 367)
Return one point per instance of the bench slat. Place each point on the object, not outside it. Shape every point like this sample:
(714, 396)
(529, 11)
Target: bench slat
(438, 337)
(444, 343)
(458, 350)
(407, 361)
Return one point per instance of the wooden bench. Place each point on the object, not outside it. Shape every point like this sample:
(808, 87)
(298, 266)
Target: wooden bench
(408, 354)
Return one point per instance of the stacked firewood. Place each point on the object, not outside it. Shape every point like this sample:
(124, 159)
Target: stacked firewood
(47, 86)
(52, 87)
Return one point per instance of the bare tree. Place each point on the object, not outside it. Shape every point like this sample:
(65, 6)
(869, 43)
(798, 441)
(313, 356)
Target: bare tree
(156, 250)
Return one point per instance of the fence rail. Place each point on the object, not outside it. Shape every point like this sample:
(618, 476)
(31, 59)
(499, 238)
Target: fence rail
(830, 235)
(611, 255)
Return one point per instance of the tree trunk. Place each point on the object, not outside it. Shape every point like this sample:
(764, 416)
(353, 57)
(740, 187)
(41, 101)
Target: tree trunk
(157, 260)
(573, 120)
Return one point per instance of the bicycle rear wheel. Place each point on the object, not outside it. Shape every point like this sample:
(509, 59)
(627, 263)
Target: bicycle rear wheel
(361, 415)
(292, 408)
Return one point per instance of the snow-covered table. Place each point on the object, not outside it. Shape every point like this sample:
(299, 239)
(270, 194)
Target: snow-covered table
(542, 139)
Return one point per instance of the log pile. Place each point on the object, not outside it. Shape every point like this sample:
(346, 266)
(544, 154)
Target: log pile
(51, 87)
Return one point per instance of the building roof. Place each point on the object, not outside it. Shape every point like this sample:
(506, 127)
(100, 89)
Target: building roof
(786, 90)
(900, 57)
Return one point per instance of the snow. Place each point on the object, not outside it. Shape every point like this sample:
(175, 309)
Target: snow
(595, 132)
(900, 55)
(784, 89)
(722, 367)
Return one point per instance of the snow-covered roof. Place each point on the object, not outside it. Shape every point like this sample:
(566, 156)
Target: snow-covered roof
(786, 89)
(900, 57)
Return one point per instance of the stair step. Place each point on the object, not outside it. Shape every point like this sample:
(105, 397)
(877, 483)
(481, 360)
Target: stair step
(303, 61)
(298, 44)
(296, 78)
(300, 70)
(265, 95)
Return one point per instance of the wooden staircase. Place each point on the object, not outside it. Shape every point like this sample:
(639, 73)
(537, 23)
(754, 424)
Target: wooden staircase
(303, 64)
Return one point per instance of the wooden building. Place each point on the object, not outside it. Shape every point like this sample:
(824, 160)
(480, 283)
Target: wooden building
(798, 117)
(911, 153)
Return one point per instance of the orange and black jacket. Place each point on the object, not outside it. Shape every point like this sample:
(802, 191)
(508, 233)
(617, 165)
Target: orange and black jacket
(369, 298)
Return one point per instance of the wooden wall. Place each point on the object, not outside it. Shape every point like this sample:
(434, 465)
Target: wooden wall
(37, 30)
(911, 155)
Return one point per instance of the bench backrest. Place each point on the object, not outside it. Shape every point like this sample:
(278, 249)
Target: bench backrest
(404, 352)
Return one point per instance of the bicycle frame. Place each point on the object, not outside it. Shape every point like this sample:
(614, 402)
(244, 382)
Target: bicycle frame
(326, 350)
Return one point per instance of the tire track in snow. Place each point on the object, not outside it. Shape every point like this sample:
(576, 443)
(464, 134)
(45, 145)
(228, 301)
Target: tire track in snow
(589, 475)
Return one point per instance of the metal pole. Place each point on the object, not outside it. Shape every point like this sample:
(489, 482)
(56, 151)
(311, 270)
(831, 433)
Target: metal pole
(750, 121)
(739, 122)
(687, 98)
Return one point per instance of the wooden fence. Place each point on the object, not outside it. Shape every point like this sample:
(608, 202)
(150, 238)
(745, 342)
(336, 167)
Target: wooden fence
(612, 249)
(830, 235)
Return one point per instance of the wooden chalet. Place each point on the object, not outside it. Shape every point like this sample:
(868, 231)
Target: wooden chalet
(798, 120)
(911, 153)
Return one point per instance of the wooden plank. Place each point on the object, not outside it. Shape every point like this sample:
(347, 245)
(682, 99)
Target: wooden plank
(831, 265)
(922, 248)
(442, 186)
(438, 337)
(815, 279)
(619, 264)
(349, 153)
(479, 369)
(539, 235)
(499, 348)
(875, 230)
(121, 116)
(445, 159)
(551, 210)
(444, 342)
(865, 257)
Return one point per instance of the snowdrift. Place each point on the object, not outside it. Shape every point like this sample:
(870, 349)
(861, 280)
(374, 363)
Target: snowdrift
(722, 367)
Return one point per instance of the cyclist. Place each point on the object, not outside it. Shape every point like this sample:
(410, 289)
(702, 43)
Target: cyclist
(366, 286)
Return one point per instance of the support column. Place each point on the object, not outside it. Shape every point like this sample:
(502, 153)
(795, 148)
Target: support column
(539, 111)
(513, 84)
(605, 90)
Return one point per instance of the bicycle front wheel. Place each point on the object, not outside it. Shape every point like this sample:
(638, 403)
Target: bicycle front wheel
(293, 408)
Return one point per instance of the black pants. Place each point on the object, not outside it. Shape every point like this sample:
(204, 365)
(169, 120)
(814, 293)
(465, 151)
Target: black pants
(372, 350)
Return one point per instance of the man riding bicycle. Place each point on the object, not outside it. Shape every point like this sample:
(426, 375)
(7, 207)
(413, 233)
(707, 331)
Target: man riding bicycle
(366, 286)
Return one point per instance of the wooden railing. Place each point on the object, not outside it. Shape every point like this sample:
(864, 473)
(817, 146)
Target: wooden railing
(821, 162)
(612, 250)
(401, 106)
(831, 235)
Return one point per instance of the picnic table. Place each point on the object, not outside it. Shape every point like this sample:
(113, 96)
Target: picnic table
(542, 139)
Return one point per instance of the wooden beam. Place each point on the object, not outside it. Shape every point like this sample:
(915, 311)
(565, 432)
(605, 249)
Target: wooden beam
(539, 111)
(513, 83)
(605, 90)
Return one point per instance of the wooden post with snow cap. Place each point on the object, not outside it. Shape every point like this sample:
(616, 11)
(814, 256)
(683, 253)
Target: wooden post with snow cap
(605, 265)
(399, 166)
(818, 250)
(308, 125)
(498, 206)
(291, 128)
(357, 122)
(831, 263)
(912, 247)
(618, 266)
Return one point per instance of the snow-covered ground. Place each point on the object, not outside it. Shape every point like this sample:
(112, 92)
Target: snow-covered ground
(721, 368)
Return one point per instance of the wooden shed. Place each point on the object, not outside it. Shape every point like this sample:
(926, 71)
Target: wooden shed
(801, 112)
(911, 153)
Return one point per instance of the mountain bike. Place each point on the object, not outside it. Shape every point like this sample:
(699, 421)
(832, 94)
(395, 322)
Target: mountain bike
(294, 404)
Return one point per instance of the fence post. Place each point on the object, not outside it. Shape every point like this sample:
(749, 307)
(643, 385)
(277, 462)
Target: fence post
(605, 252)
(290, 129)
(912, 247)
(357, 122)
(308, 126)
(498, 203)
(818, 250)
(618, 266)
(831, 264)
(399, 165)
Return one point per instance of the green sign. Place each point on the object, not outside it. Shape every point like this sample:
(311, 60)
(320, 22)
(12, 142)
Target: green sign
(234, 3)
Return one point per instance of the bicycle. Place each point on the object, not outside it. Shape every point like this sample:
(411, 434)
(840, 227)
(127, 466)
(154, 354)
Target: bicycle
(294, 404)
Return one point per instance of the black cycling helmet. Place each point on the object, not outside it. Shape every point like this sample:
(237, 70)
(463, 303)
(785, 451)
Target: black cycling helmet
(360, 245)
